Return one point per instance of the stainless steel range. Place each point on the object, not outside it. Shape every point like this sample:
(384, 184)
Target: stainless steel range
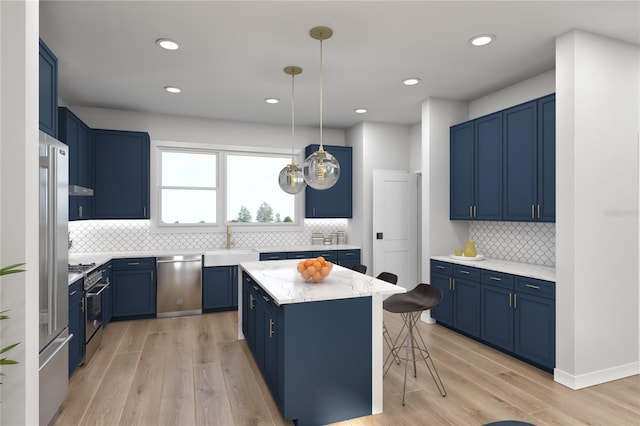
(94, 285)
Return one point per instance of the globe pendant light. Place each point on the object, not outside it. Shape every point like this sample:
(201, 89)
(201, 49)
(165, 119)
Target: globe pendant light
(291, 179)
(321, 170)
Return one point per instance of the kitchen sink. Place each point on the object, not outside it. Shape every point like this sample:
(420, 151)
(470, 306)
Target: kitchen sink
(229, 257)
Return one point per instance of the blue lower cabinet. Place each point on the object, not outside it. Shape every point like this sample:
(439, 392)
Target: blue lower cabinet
(466, 300)
(279, 255)
(330, 255)
(348, 258)
(76, 325)
(302, 359)
(298, 254)
(134, 288)
(219, 288)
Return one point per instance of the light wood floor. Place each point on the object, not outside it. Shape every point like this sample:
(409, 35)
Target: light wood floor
(193, 371)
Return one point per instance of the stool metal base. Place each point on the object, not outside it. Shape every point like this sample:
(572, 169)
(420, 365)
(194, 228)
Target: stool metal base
(411, 343)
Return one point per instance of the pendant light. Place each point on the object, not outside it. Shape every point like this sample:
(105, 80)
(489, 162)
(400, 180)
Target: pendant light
(291, 179)
(321, 170)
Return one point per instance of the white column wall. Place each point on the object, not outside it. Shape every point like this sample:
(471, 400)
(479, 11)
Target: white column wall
(355, 227)
(19, 207)
(597, 125)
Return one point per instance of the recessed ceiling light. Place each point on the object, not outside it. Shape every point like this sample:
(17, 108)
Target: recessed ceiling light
(272, 100)
(410, 81)
(172, 89)
(165, 43)
(482, 40)
(360, 110)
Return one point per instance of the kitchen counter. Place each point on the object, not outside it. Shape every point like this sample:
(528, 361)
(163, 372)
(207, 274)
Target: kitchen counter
(546, 273)
(318, 345)
(281, 280)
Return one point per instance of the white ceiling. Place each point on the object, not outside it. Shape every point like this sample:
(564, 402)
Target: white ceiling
(233, 53)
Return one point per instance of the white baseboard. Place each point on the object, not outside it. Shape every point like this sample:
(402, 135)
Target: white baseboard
(426, 317)
(596, 377)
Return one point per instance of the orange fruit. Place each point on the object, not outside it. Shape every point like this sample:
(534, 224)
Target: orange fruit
(308, 262)
(305, 274)
(317, 277)
(320, 259)
(329, 264)
(300, 266)
(324, 271)
(317, 265)
(312, 270)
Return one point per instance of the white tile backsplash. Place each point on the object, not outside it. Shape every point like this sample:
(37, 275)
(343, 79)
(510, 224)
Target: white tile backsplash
(96, 236)
(526, 242)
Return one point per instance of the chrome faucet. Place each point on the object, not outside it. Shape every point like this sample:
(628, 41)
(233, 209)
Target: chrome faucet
(229, 240)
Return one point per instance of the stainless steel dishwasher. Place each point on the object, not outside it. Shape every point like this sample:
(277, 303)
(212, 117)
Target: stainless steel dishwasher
(179, 285)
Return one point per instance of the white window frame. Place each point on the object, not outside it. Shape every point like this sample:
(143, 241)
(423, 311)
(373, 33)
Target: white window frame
(221, 190)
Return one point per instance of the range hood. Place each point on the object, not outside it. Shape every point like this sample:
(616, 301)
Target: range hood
(80, 191)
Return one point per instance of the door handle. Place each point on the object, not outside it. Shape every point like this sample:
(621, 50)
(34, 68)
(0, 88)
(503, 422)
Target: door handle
(379, 236)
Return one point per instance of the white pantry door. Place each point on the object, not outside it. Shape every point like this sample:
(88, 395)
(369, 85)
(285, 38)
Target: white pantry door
(395, 225)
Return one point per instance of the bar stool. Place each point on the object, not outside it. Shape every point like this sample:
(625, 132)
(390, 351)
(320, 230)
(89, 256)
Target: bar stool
(360, 268)
(410, 306)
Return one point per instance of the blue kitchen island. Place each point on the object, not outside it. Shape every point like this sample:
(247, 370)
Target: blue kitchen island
(318, 346)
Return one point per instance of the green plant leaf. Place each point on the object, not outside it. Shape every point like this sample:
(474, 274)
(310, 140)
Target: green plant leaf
(11, 269)
(7, 348)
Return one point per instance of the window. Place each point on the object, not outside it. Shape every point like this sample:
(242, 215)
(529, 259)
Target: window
(202, 188)
(253, 193)
(188, 187)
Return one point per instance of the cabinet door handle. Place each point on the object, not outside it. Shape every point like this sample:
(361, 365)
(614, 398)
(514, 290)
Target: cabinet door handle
(509, 299)
(266, 299)
(271, 322)
(133, 263)
(535, 287)
(439, 266)
(255, 287)
(453, 284)
(538, 211)
(144, 211)
(470, 211)
(475, 211)
(533, 211)
(151, 275)
(462, 271)
(80, 211)
(251, 302)
(515, 301)
(495, 278)
(82, 305)
(73, 292)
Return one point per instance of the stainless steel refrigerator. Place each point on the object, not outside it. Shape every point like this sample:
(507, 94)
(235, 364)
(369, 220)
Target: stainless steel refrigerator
(54, 296)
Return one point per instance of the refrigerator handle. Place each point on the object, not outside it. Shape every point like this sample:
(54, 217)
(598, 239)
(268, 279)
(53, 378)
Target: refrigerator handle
(60, 347)
(52, 175)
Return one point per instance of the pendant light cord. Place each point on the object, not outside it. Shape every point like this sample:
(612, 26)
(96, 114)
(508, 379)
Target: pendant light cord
(293, 117)
(321, 148)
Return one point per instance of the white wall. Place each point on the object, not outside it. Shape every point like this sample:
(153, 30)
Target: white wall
(439, 234)
(597, 117)
(200, 130)
(19, 207)
(376, 146)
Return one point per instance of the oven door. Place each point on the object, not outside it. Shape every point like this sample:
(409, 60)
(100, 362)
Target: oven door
(93, 319)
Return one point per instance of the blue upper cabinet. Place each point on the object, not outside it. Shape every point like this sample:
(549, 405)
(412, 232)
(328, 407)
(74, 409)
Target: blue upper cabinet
(335, 202)
(475, 153)
(547, 159)
(529, 161)
(77, 136)
(121, 174)
(48, 87)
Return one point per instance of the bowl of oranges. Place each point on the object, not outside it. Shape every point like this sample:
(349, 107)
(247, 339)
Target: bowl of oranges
(314, 270)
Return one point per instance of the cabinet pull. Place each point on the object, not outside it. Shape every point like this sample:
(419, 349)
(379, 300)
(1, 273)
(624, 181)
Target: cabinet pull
(495, 278)
(271, 327)
(453, 284)
(470, 211)
(462, 271)
(251, 302)
(533, 211)
(255, 287)
(82, 305)
(133, 263)
(151, 275)
(538, 211)
(439, 266)
(73, 292)
(144, 211)
(509, 299)
(535, 287)
(266, 299)
(515, 301)
(80, 211)
(475, 211)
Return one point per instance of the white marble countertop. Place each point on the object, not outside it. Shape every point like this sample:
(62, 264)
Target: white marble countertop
(284, 283)
(310, 247)
(509, 267)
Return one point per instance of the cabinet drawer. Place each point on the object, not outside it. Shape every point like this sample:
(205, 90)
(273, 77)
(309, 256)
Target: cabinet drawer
(466, 272)
(327, 254)
(274, 255)
(348, 254)
(75, 290)
(135, 263)
(537, 287)
(497, 279)
(298, 255)
(441, 267)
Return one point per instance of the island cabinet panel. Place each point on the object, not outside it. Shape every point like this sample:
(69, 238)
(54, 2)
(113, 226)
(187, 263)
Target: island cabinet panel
(219, 288)
(134, 288)
(314, 356)
(121, 175)
(335, 202)
(76, 325)
(48, 91)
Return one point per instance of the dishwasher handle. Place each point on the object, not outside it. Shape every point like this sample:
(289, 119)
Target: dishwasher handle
(178, 260)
